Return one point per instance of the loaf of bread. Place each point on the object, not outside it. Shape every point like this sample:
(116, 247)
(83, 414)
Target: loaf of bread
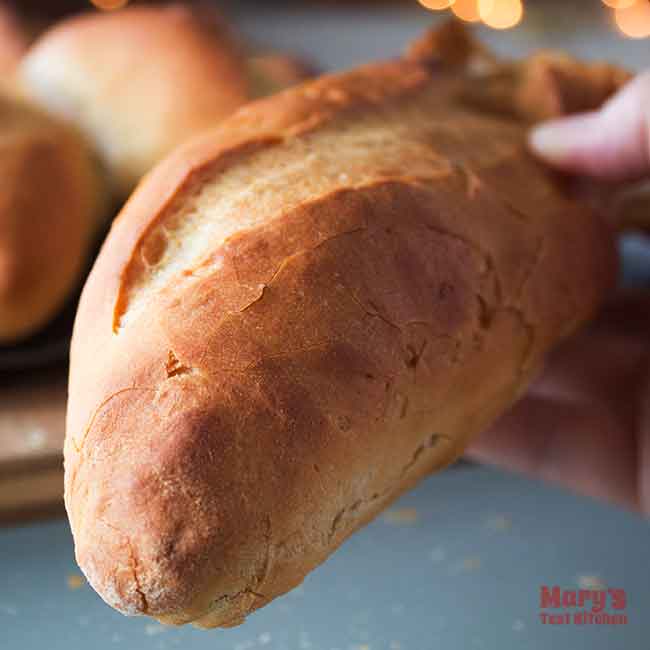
(300, 315)
(51, 200)
(139, 81)
(13, 41)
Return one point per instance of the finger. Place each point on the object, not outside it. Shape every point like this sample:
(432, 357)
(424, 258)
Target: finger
(601, 362)
(612, 143)
(580, 446)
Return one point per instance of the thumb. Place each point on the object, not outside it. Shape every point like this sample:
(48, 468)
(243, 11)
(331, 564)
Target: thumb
(612, 143)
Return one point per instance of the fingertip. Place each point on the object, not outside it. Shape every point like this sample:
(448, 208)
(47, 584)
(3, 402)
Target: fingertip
(548, 141)
(609, 144)
(568, 142)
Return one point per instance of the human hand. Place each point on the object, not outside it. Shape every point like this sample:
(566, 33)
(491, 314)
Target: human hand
(610, 144)
(586, 422)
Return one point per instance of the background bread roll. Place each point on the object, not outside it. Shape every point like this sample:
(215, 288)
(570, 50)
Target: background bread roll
(138, 81)
(51, 200)
(13, 40)
(300, 315)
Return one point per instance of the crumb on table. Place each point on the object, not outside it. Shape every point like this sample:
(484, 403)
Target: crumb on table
(75, 581)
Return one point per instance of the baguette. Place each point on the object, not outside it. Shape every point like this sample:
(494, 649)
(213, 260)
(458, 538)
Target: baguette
(300, 315)
(139, 81)
(51, 203)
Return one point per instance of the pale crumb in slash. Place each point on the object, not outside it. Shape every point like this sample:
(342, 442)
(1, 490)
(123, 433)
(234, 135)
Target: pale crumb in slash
(36, 439)
(591, 582)
(499, 523)
(518, 626)
(437, 554)
(401, 516)
(264, 638)
(153, 629)
(343, 178)
(75, 581)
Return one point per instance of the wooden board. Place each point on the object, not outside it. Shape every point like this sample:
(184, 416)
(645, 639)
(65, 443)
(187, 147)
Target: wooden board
(32, 425)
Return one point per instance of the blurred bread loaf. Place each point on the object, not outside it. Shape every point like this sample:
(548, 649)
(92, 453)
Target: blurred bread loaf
(139, 81)
(301, 314)
(14, 41)
(51, 200)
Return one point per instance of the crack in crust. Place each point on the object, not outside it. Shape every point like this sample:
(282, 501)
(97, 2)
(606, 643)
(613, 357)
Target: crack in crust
(174, 367)
(143, 606)
(433, 440)
(354, 508)
(79, 446)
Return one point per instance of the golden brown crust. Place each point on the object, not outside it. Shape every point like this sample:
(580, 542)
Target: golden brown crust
(545, 85)
(296, 318)
(49, 210)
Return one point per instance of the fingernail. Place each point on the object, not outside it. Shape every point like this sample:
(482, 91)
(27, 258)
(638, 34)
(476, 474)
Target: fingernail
(550, 140)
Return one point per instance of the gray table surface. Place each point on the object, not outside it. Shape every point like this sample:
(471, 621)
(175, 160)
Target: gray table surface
(460, 562)
(457, 564)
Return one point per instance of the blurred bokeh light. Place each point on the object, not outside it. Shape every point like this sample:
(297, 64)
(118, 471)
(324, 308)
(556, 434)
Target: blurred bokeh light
(437, 4)
(466, 10)
(500, 14)
(619, 4)
(634, 21)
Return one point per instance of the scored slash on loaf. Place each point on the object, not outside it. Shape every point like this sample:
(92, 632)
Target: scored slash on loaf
(302, 313)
